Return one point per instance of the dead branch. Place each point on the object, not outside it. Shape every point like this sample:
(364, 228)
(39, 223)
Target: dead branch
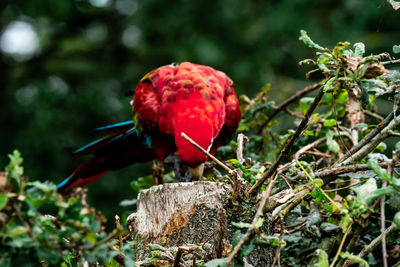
(365, 140)
(285, 151)
(298, 95)
(368, 147)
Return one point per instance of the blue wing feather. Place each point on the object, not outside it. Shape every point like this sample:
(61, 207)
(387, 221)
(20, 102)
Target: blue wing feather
(116, 127)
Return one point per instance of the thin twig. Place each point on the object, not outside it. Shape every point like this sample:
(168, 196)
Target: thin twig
(286, 181)
(308, 147)
(365, 140)
(277, 258)
(293, 113)
(368, 147)
(392, 133)
(118, 225)
(120, 257)
(341, 245)
(234, 173)
(178, 256)
(251, 230)
(365, 251)
(344, 187)
(383, 198)
(285, 151)
(241, 139)
(384, 251)
(290, 100)
(374, 115)
(397, 61)
(207, 153)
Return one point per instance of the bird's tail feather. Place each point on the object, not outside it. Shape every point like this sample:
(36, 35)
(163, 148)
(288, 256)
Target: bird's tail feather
(123, 147)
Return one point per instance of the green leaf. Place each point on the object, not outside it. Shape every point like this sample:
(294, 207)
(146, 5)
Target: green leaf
(365, 190)
(236, 238)
(381, 147)
(328, 208)
(128, 202)
(354, 258)
(317, 194)
(274, 240)
(14, 168)
(331, 143)
(155, 247)
(387, 191)
(259, 222)
(46, 187)
(346, 222)
(374, 165)
(216, 263)
(396, 219)
(329, 122)
(322, 259)
(359, 49)
(241, 224)
(304, 103)
(396, 49)
(91, 237)
(247, 249)
(397, 147)
(3, 200)
(18, 231)
(307, 40)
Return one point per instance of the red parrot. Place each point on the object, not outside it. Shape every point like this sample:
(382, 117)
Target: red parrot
(187, 98)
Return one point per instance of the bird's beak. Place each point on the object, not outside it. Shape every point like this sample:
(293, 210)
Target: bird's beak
(197, 172)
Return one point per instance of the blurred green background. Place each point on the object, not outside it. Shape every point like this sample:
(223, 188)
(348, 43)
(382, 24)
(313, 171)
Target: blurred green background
(66, 65)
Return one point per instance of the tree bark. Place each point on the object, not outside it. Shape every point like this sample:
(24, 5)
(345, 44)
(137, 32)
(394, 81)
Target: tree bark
(196, 213)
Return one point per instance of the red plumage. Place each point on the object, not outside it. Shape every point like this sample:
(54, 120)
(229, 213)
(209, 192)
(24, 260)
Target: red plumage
(187, 98)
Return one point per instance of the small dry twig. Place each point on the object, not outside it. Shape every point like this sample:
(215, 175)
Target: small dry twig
(298, 95)
(374, 243)
(234, 173)
(341, 245)
(285, 151)
(241, 140)
(365, 140)
(118, 225)
(374, 115)
(277, 258)
(220, 163)
(251, 230)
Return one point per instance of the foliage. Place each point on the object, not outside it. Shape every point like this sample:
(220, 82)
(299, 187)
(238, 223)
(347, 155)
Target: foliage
(91, 52)
(85, 64)
(328, 210)
(339, 207)
(39, 226)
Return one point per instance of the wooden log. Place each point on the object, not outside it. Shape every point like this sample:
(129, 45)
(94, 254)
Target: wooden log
(195, 215)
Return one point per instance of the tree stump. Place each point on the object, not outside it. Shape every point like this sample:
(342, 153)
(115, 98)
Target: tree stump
(195, 214)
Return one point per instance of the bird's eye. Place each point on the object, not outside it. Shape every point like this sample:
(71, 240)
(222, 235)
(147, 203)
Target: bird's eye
(174, 64)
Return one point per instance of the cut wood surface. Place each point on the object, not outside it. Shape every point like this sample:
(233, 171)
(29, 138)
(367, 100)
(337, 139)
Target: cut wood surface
(197, 213)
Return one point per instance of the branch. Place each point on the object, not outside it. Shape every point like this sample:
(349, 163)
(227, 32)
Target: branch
(341, 245)
(290, 100)
(365, 140)
(234, 173)
(365, 251)
(251, 230)
(397, 61)
(207, 153)
(368, 147)
(326, 175)
(241, 139)
(285, 151)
